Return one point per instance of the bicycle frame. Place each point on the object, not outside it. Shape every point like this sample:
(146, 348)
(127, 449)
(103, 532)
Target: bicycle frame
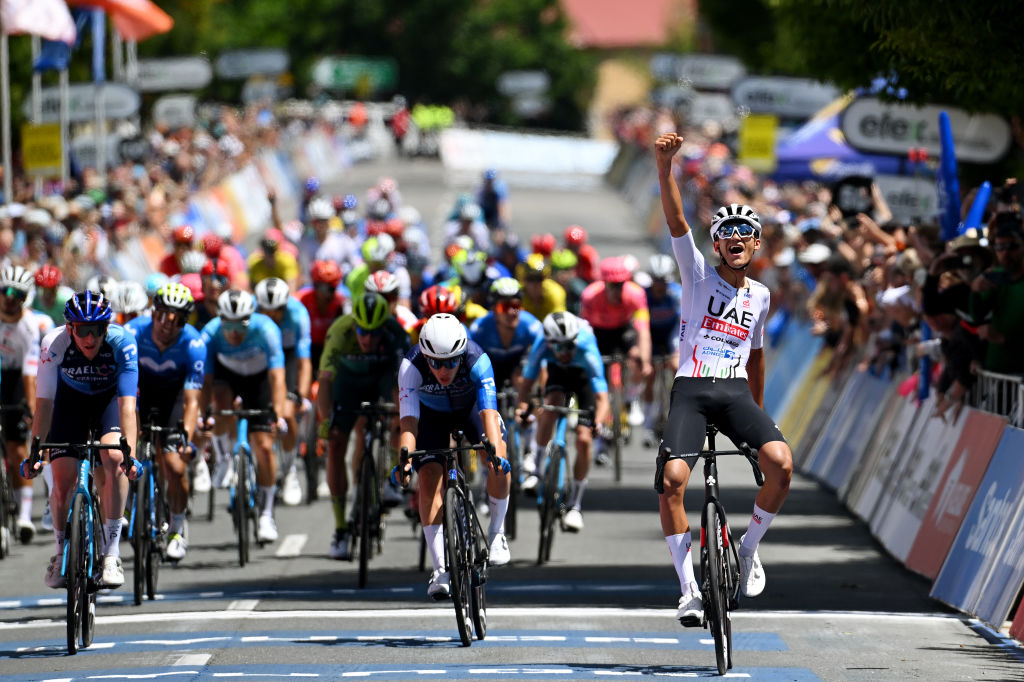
(244, 449)
(83, 487)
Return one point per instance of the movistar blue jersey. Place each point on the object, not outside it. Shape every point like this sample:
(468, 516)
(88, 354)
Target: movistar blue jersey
(180, 366)
(259, 351)
(506, 359)
(473, 384)
(295, 326)
(115, 367)
(665, 316)
(586, 356)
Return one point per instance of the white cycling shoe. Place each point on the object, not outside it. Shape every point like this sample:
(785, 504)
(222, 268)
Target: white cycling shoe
(291, 491)
(112, 575)
(266, 529)
(691, 610)
(201, 482)
(224, 473)
(752, 577)
(498, 553)
(53, 577)
(177, 546)
(341, 546)
(573, 521)
(439, 586)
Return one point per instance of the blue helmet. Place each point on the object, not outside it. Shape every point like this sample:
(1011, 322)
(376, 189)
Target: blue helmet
(312, 184)
(87, 306)
(154, 281)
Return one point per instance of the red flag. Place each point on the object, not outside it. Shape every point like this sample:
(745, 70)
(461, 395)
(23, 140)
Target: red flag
(134, 19)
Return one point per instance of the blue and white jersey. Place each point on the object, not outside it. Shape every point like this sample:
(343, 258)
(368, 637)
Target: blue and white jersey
(505, 359)
(259, 351)
(665, 315)
(586, 356)
(294, 327)
(181, 365)
(115, 367)
(473, 384)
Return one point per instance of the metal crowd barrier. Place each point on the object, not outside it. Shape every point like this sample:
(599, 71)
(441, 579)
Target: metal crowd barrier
(1000, 394)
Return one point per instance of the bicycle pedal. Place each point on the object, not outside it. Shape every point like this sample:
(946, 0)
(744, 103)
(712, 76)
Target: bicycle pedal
(690, 622)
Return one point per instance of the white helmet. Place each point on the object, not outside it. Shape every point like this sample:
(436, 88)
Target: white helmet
(320, 209)
(103, 284)
(235, 304)
(377, 249)
(661, 266)
(272, 293)
(17, 277)
(736, 213)
(192, 262)
(443, 337)
(131, 298)
(382, 282)
(469, 211)
(561, 327)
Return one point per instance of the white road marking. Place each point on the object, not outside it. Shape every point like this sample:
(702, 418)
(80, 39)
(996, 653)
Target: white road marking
(177, 642)
(243, 605)
(193, 659)
(292, 545)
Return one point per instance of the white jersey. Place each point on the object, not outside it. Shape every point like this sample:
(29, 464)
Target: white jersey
(19, 345)
(719, 324)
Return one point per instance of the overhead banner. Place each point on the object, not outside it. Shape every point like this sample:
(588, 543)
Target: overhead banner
(874, 126)
(240, 64)
(175, 111)
(912, 200)
(700, 71)
(963, 473)
(119, 101)
(783, 97)
(174, 73)
(363, 74)
(978, 557)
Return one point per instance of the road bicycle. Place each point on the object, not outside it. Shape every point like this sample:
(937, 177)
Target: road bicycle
(81, 558)
(242, 501)
(553, 491)
(368, 512)
(311, 449)
(614, 367)
(150, 515)
(719, 560)
(465, 543)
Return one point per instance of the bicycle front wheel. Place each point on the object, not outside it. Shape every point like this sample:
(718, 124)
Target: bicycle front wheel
(77, 571)
(512, 452)
(140, 535)
(367, 497)
(241, 507)
(478, 579)
(551, 501)
(456, 543)
(6, 534)
(717, 600)
(158, 538)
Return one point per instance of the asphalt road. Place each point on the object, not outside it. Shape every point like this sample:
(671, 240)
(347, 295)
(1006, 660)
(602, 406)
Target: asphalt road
(836, 607)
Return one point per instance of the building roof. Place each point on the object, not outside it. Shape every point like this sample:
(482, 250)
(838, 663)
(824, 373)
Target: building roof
(614, 23)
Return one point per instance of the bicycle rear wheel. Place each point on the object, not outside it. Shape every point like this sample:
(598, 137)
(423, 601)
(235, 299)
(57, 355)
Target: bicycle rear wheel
(617, 407)
(77, 570)
(512, 452)
(717, 602)
(367, 501)
(478, 579)
(457, 551)
(140, 533)
(6, 534)
(89, 595)
(241, 507)
(158, 537)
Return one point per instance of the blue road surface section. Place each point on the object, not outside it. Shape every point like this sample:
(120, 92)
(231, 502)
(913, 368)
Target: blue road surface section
(407, 672)
(695, 640)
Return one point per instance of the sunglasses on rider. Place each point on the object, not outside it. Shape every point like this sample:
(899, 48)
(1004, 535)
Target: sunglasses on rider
(744, 231)
(447, 363)
(236, 326)
(222, 280)
(509, 305)
(169, 316)
(562, 346)
(86, 329)
(14, 292)
(363, 331)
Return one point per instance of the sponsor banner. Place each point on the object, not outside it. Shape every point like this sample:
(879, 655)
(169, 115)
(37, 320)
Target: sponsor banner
(1004, 579)
(1017, 629)
(757, 142)
(843, 414)
(911, 200)
(173, 73)
(851, 488)
(978, 552)
(365, 75)
(846, 457)
(83, 150)
(706, 107)
(964, 470)
(915, 485)
(41, 151)
(789, 364)
(701, 71)
(888, 451)
(175, 111)
(240, 64)
(804, 404)
(782, 96)
(515, 83)
(874, 126)
(119, 101)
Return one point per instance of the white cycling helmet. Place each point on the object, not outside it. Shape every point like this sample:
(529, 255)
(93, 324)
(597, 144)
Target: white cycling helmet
(17, 277)
(235, 304)
(561, 327)
(736, 213)
(131, 298)
(103, 284)
(661, 266)
(192, 262)
(272, 293)
(382, 282)
(320, 209)
(443, 337)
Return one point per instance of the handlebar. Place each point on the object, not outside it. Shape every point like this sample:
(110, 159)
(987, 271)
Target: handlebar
(486, 445)
(374, 409)
(245, 413)
(566, 411)
(34, 457)
(746, 451)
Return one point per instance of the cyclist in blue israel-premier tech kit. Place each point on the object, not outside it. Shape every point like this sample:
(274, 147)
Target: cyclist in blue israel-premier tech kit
(88, 380)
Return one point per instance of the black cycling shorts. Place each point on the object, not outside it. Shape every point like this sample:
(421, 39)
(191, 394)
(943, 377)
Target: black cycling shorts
(727, 403)
(12, 394)
(435, 428)
(616, 340)
(291, 375)
(253, 389)
(572, 380)
(76, 413)
(351, 390)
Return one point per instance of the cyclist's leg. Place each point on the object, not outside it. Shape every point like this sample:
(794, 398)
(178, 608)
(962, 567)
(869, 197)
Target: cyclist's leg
(16, 430)
(255, 394)
(684, 437)
(114, 492)
(175, 472)
(434, 429)
(223, 397)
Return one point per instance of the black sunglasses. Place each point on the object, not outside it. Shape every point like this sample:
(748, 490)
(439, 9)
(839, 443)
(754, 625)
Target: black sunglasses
(86, 329)
(14, 292)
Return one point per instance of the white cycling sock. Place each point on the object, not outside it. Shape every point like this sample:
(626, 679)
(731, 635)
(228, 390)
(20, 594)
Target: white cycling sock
(759, 522)
(498, 509)
(682, 559)
(268, 492)
(48, 477)
(538, 450)
(435, 543)
(576, 493)
(25, 510)
(650, 414)
(222, 445)
(112, 537)
(178, 524)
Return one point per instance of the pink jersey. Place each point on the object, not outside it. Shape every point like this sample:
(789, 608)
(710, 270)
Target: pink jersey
(596, 309)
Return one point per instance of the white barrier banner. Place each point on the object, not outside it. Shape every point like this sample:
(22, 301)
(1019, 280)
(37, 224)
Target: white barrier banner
(889, 454)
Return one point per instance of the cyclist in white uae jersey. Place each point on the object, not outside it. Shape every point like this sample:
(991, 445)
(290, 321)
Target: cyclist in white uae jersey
(720, 377)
